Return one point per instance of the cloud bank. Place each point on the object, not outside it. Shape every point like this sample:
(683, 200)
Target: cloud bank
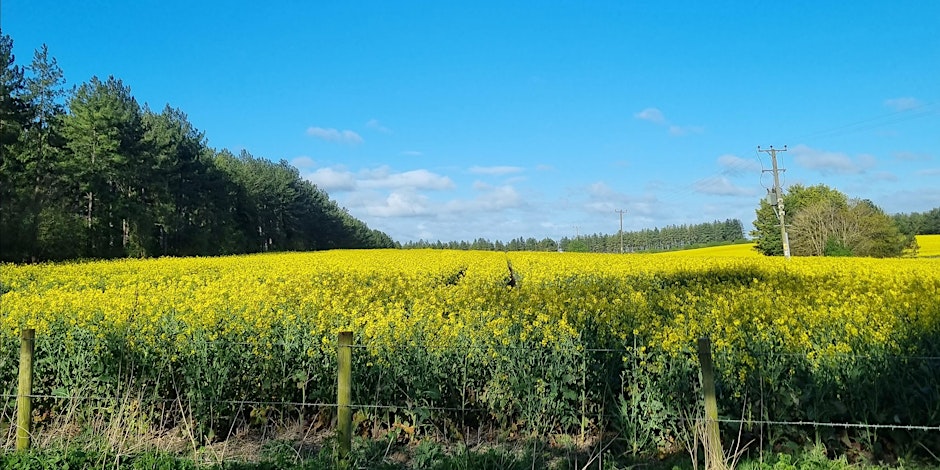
(334, 135)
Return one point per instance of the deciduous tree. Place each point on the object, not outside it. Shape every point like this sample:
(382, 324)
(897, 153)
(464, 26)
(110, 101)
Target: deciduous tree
(766, 233)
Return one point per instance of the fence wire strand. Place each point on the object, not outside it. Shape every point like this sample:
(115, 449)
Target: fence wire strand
(753, 422)
(905, 427)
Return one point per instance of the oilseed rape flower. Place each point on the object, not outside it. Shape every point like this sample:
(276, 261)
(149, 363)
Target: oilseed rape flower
(473, 324)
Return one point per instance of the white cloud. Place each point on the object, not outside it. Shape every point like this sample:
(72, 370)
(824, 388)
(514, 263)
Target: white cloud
(909, 200)
(929, 172)
(412, 153)
(374, 124)
(414, 179)
(492, 212)
(829, 163)
(602, 198)
(912, 156)
(884, 176)
(867, 160)
(330, 179)
(741, 209)
(734, 165)
(600, 206)
(400, 204)
(492, 198)
(685, 130)
(903, 104)
(340, 179)
(652, 115)
(721, 186)
(600, 189)
(302, 162)
(644, 208)
(656, 116)
(421, 203)
(495, 170)
(334, 135)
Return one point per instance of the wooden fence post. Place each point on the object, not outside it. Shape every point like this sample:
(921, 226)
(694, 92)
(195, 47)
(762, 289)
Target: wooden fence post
(712, 439)
(24, 403)
(344, 396)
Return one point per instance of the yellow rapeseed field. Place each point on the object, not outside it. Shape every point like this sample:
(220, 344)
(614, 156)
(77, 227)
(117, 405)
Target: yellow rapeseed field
(389, 296)
(737, 250)
(929, 246)
(530, 338)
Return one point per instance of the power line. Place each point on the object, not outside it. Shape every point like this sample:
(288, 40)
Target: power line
(923, 110)
(919, 111)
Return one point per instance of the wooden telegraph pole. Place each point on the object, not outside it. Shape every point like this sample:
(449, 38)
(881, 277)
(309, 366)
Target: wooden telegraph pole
(621, 212)
(778, 197)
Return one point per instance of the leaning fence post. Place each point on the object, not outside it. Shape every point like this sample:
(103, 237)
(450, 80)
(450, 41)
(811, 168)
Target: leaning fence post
(344, 396)
(24, 403)
(712, 440)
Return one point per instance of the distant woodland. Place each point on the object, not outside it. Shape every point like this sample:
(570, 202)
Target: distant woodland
(672, 237)
(88, 172)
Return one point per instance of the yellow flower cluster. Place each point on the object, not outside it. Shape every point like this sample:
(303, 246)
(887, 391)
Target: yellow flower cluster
(440, 298)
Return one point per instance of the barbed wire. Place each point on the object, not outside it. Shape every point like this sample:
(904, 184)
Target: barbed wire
(848, 355)
(475, 410)
(905, 427)
(258, 403)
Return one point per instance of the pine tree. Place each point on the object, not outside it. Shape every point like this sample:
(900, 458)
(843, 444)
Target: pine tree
(104, 131)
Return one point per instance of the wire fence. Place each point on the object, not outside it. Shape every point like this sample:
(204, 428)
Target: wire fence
(379, 387)
(750, 422)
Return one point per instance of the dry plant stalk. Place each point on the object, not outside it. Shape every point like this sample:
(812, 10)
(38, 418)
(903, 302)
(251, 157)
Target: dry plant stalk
(714, 456)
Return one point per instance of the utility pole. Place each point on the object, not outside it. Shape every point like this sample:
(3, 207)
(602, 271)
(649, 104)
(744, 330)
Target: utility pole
(621, 211)
(778, 197)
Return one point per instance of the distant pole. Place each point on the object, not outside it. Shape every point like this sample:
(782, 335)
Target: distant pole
(778, 197)
(621, 211)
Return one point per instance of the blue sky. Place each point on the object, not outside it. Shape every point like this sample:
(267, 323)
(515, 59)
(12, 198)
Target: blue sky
(452, 121)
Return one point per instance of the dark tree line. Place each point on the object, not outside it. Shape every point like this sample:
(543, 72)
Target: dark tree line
(90, 173)
(919, 223)
(517, 244)
(672, 237)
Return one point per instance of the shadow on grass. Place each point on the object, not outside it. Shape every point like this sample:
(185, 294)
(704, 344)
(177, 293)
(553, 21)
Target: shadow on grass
(367, 454)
